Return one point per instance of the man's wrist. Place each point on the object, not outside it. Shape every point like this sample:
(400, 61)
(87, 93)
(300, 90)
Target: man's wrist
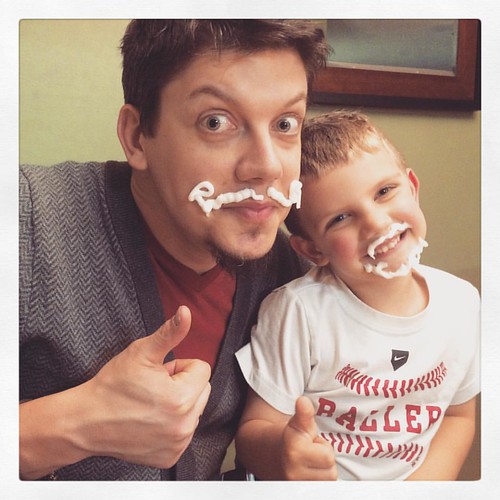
(48, 434)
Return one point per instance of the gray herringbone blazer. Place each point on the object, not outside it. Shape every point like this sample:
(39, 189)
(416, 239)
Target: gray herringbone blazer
(87, 290)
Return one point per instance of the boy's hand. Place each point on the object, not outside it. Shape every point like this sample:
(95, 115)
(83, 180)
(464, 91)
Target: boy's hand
(305, 455)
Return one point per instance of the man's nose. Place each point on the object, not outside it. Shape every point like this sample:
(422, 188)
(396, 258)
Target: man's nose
(260, 159)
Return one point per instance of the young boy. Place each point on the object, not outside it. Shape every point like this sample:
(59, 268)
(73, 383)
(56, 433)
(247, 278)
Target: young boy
(384, 349)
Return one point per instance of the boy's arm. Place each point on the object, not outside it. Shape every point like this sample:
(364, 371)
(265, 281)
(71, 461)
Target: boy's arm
(450, 445)
(273, 445)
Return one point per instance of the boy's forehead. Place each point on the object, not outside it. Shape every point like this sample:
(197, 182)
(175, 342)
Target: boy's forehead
(373, 145)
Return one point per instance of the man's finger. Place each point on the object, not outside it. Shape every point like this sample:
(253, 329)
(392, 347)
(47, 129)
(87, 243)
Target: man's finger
(203, 399)
(156, 346)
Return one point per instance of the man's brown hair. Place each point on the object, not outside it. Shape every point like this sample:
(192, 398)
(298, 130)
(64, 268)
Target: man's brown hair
(155, 50)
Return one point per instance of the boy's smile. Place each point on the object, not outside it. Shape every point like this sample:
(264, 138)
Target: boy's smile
(388, 241)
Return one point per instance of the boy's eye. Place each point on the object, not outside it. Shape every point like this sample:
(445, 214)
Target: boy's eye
(385, 190)
(336, 220)
(288, 125)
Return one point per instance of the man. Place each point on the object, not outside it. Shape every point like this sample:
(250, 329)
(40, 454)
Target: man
(211, 131)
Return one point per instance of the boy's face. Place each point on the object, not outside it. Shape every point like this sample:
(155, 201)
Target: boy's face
(233, 120)
(347, 209)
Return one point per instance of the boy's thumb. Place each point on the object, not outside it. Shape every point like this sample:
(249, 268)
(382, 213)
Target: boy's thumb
(157, 345)
(303, 420)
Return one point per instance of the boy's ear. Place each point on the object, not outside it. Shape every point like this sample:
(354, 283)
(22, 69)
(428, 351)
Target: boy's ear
(308, 249)
(130, 136)
(414, 181)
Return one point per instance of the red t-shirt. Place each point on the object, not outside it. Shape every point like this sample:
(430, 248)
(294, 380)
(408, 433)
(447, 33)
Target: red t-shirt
(208, 295)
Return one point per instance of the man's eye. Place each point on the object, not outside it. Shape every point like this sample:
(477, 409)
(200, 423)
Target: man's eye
(216, 123)
(288, 125)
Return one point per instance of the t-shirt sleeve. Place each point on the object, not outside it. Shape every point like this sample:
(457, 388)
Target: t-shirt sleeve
(277, 361)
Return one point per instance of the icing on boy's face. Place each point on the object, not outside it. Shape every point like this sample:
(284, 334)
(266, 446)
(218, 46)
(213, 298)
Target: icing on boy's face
(363, 217)
(203, 191)
(384, 243)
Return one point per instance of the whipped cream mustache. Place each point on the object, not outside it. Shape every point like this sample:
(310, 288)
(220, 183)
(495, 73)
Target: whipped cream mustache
(203, 191)
(405, 268)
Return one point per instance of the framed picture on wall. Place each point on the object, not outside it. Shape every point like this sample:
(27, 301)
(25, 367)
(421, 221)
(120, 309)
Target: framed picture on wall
(403, 63)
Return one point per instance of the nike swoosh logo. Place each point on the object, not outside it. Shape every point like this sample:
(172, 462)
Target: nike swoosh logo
(398, 358)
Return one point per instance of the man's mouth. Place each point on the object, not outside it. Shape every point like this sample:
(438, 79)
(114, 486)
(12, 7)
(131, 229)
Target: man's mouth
(253, 211)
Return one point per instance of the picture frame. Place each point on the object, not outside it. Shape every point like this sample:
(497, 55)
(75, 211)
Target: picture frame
(394, 87)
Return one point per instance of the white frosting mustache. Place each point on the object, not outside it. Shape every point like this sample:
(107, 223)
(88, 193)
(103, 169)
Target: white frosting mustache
(405, 268)
(202, 192)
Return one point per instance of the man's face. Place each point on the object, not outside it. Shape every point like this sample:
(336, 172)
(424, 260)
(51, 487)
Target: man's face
(233, 120)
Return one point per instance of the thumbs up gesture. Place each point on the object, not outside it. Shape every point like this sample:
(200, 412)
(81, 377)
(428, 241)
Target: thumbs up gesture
(142, 410)
(305, 455)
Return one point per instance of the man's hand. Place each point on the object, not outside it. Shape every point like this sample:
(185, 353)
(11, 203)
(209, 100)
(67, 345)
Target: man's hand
(148, 411)
(136, 408)
(305, 455)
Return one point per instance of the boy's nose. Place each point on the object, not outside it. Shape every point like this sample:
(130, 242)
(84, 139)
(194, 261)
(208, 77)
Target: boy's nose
(376, 223)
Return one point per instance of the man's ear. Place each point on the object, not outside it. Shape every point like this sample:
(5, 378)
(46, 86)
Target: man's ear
(414, 181)
(130, 136)
(308, 249)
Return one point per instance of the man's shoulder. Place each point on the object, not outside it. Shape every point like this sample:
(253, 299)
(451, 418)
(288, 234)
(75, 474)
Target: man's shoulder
(72, 168)
(54, 180)
(58, 200)
(68, 182)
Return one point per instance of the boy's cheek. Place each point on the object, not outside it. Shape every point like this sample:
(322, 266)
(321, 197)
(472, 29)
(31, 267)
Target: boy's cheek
(344, 249)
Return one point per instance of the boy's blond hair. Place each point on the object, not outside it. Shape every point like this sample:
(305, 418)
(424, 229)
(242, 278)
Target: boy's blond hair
(332, 140)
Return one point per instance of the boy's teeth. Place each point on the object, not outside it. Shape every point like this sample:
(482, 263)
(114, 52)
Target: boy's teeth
(388, 246)
(392, 237)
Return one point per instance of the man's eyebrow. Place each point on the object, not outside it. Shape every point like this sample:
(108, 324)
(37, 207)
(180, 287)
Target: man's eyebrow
(301, 96)
(211, 90)
(214, 91)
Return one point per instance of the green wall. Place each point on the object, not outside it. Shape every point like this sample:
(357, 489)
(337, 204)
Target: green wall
(70, 90)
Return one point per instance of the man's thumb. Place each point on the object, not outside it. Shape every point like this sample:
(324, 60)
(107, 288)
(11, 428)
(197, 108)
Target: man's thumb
(169, 335)
(303, 420)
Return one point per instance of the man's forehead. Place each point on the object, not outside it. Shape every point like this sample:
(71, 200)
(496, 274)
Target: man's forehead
(222, 60)
(224, 75)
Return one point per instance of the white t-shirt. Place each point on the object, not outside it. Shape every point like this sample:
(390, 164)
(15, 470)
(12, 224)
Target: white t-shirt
(380, 384)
